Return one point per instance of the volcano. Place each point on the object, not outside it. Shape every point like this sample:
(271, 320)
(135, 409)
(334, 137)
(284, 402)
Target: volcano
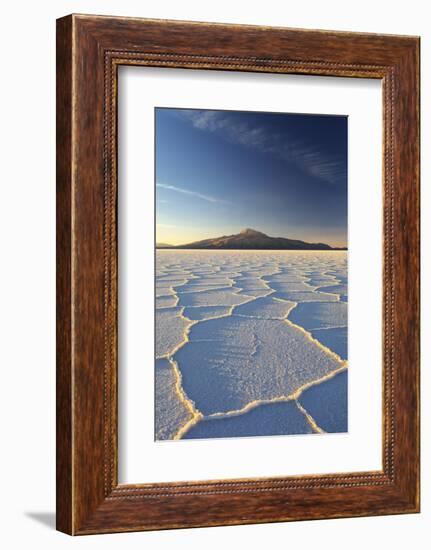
(250, 239)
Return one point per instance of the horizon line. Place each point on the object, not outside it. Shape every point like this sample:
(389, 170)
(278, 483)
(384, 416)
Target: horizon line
(164, 243)
(188, 247)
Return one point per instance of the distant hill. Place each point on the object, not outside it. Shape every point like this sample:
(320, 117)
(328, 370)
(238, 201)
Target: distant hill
(164, 245)
(250, 239)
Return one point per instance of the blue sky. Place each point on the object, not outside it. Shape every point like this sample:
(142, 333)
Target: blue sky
(218, 172)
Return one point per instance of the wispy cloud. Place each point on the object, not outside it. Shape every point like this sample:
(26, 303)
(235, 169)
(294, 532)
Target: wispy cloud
(309, 158)
(208, 198)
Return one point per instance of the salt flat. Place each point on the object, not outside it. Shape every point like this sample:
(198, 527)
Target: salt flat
(250, 343)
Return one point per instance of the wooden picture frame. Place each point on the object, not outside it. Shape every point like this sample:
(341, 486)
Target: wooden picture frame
(89, 51)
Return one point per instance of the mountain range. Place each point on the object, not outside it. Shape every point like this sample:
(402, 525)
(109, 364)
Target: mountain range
(250, 239)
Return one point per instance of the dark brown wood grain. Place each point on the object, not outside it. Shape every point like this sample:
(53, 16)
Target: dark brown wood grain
(89, 51)
(64, 287)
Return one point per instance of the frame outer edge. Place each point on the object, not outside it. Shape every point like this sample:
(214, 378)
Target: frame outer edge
(64, 368)
(81, 506)
(407, 274)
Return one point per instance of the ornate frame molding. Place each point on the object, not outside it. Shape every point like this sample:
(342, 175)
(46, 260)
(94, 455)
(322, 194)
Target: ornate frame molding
(90, 49)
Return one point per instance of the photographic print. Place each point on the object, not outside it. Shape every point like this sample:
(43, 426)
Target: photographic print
(251, 274)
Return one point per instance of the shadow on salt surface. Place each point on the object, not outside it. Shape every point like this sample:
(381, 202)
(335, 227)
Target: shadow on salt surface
(250, 283)
(213, 297)
(256, 293)
(333, 338)
(317, 315)
(207, 281)
(171, 413)
(341, 289)
(311, 296)
(327, 323)
(321, 282)
(340, 278)
(206, 312)
(164, 290)
(287, 286)
(170, 328)
(166, 301)
(266, 419)
(284, 278)
(232, 361)
(265, 308)
(327, 403)
(182, 290)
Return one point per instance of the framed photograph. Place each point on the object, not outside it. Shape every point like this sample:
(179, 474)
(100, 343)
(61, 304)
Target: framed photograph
(237, 274)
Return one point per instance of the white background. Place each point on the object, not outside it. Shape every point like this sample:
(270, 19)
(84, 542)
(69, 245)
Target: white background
(27, 125)
(141, 458)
